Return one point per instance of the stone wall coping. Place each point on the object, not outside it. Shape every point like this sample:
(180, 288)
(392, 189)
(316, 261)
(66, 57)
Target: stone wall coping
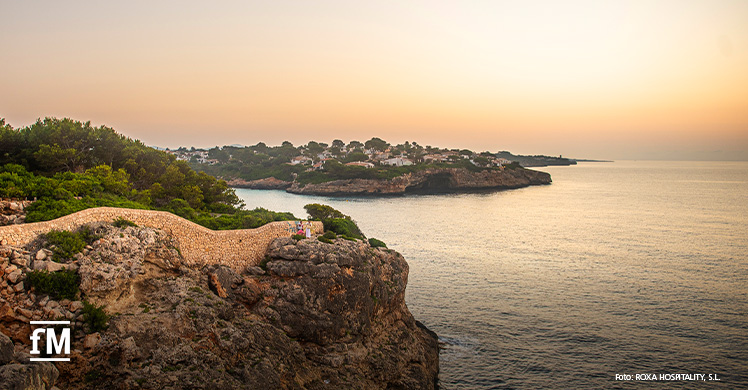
(198, 244)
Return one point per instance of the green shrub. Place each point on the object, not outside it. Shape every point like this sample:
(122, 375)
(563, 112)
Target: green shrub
(298, 237)
(60, 285)
(330, 235)
(347, 238)
(322, 212)
(94, 317)
(343, 227)
(67, 244)
(87, 235)
(377, 243)
(264, 263)
(325, 239)
(123, 223)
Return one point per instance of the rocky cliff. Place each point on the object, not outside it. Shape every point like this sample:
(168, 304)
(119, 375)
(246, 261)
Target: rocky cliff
(429, 180)
(314, 315)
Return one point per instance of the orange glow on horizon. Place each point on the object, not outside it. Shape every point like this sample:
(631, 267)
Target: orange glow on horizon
(584, 78)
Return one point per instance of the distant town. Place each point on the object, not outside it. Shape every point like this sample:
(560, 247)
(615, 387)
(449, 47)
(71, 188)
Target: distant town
(370, 154)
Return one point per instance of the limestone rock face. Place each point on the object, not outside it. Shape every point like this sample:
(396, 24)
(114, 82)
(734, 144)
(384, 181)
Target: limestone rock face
(429, 180)
(311, 316)
(18, 373)
(36, 376)
(346, 302)
(6, 349)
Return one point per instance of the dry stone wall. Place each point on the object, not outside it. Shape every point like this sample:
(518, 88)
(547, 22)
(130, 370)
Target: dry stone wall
(198, 245)
(12, 211)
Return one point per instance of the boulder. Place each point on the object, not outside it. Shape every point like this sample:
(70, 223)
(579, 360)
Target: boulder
(14, 276)
(75, 306)
(91, 340)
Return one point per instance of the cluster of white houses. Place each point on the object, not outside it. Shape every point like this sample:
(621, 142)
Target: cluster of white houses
(387, 158)
(373, 158)
(198, 155)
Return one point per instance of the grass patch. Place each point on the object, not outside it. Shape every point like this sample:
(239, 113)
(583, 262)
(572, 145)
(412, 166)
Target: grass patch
(92, 376)
(94, 317)
(169, 368)
(123, 223)
(264, 263)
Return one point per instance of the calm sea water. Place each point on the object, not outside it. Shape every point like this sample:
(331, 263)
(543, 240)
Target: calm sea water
(615, 268)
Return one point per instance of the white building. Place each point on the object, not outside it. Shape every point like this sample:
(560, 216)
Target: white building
(300, 160)
(361, 164)
(397, 162)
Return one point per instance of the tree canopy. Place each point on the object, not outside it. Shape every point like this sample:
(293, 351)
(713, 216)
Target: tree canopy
(70, 165)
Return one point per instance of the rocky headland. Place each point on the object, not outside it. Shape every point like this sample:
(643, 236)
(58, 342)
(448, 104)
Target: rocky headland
(433, 180)
(312, 315)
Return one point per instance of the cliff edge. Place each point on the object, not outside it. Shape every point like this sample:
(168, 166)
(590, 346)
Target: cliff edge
(313, 315)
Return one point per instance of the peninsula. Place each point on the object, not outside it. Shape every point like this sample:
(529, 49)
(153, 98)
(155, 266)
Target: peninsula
(374, 167)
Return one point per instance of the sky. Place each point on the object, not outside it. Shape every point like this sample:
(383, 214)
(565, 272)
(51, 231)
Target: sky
(654, 79)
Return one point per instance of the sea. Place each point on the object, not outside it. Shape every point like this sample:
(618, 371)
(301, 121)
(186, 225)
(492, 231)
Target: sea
(616, 275)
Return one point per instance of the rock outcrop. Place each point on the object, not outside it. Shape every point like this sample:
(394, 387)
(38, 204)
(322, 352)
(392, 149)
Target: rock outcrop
(428, 180)
(313, 315)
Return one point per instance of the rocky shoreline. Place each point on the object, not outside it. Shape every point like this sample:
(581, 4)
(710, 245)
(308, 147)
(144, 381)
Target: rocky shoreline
(436, 180)
(313, 315)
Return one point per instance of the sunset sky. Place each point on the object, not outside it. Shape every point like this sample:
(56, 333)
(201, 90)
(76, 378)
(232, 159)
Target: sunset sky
(589, 79)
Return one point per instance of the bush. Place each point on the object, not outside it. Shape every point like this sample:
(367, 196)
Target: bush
(323, 212)
(377, 243)
(94, 317)
(87, 235)
(343, 227)
(59, 285)
(324, 239)
(67, 244)
(123, 223)
(330, 235)
(298, 237)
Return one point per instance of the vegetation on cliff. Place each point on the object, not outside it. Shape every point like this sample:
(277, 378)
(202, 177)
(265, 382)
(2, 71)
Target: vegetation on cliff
(334, 221)
(318, 162)
(69, 166)
(316, 315)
